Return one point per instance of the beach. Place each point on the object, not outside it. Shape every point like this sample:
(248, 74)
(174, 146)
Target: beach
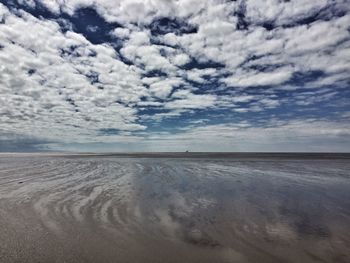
(183, 207)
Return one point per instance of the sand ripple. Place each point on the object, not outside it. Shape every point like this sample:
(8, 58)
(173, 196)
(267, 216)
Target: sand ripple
(100, 209)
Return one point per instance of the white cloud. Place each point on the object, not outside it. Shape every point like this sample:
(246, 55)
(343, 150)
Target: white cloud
(57, 94)
(187, 100)
(121, 32)
(198, 74)
(255, 78)
(163, 88)
(180, 59)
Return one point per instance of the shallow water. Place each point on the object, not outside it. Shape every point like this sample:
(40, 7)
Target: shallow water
(110, 209)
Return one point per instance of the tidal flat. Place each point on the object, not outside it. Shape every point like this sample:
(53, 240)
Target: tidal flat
(174, 208)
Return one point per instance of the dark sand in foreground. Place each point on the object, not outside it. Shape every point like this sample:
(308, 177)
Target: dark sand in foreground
(178, 208)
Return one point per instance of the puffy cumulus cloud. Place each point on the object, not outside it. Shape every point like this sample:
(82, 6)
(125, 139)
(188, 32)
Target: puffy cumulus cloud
(256, 78)
(180, 59)
(184, 99)
(121, 32)
(257, 56)
(198, 75)
(289, 13)
(162, 88)
(111, 71)
(129, 11)
(46, 83)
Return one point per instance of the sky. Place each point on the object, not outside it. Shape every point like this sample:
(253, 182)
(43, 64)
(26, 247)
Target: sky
(161, 75)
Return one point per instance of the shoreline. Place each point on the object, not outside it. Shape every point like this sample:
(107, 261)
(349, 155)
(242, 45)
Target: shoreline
(190, 155)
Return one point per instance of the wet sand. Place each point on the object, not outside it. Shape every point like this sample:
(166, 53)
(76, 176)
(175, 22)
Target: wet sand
(175, 208)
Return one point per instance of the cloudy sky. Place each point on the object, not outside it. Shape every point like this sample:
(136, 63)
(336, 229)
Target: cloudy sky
(161, 75)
